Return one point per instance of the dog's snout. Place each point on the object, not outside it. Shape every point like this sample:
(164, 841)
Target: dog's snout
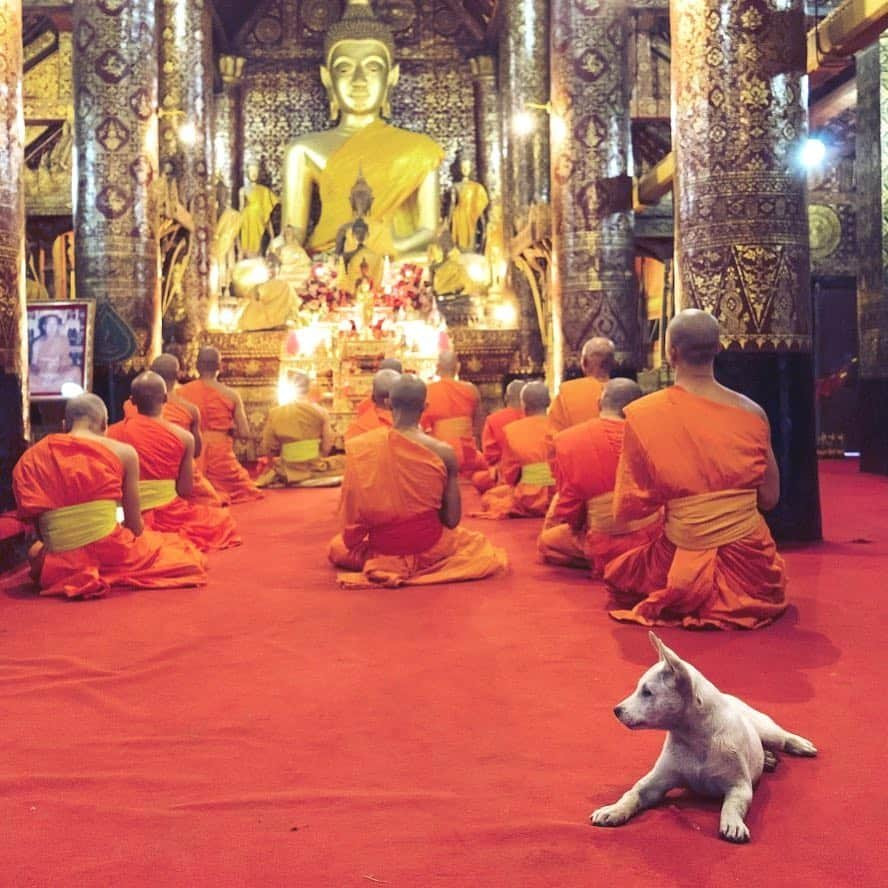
(618, 711)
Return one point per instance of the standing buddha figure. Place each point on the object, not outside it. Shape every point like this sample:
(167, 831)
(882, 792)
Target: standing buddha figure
(401, 167)
(469, 200)
(256, 202)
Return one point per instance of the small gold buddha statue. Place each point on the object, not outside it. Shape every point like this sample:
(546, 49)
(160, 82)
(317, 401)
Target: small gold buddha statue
(401, 167)
(257, 202)
(468, 201)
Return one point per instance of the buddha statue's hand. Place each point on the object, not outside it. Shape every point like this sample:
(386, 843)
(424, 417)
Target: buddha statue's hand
(414, 242)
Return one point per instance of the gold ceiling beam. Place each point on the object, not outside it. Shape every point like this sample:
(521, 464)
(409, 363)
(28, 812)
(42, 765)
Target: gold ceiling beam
(846, 30)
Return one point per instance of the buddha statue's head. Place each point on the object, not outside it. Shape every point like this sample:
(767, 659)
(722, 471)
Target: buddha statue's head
(359, 66)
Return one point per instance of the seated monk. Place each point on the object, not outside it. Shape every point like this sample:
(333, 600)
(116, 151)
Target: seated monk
(182, 413)
(401, 507)
(492, 439)
(221, 417)
(166, 457)
(577, 399)
(380, 414)
(704, 453)
(580, 529)
(527, 484)
(384, 364)
(70, 485)
(297, 442)
(454, 414)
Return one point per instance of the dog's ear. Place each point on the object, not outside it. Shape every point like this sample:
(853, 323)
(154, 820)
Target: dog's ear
(668, 656)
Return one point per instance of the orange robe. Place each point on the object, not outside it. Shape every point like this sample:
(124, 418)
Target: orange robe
(393, 536)
(449, 417)
(66, 470)
(368, 420)
(715, 564)
(160, 455)
(492, 439)
(217, 460)
(580, 530)
(576, 401)
(201, 491)
(528, 484)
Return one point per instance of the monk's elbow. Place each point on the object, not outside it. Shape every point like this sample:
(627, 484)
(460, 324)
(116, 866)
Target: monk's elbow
(768, 499)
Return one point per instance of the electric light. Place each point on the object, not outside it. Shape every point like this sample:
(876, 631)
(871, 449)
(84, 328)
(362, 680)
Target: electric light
(505, 314)
(813, 153)
(187, 134)
(71, 390)
(523, 123)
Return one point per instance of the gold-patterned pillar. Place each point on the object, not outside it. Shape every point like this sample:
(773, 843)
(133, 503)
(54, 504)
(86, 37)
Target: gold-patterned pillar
(524, 83)
(739, 122)
(228, 128)
(13, 335)
(489, 147)
(115, 125)
(593, 281)
(872, 236)
(186, 141)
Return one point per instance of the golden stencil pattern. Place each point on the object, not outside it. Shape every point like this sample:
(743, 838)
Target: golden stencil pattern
(593, 251)
(739, 120)
(115, 87)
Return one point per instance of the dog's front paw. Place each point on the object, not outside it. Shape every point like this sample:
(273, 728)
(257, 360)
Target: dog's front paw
(734, 830)
(610, 815)
(771, 761)
(795, 745)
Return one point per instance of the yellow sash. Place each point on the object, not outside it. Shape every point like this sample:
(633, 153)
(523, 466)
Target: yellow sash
(154, 494)
(600, 517)
(450, 429)
(301, 451)
(537, 474)
(71, 527)
(710, 520)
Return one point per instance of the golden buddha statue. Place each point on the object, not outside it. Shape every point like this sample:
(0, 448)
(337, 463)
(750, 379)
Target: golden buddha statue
(257, 202)
(468, 202)
(271, 303)
(401, 167)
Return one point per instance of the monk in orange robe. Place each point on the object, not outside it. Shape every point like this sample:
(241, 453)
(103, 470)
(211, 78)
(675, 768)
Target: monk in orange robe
(454, 414)
(577, 400)
(70, 485)
(221, 416)
(527, 483)
(401, 507)
(166, 457)
(380, 413)
(384, 364)
(297, 441)
(580, 530)
(492, 437)
(704, 453)
(185, 415)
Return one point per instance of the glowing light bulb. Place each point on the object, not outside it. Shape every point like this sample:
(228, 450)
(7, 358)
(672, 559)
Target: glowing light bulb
(71, 390)
(187, 134)
(813, 153)
(523, 123)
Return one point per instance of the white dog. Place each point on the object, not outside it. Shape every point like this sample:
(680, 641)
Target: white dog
(716, 745)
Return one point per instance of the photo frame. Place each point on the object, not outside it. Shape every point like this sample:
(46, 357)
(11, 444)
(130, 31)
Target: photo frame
(60, 346)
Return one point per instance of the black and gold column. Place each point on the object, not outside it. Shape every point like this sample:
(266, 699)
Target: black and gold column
(524, 83)
(186, 141)
(872, 235)
(13, 342)
(115, 124)
(593, 281)
(489, 147)
(739, 121)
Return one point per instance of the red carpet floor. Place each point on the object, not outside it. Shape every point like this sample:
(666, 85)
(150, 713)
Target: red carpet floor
(272, 729)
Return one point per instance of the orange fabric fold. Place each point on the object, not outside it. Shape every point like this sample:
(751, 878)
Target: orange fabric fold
(526, 443)
(390, 479)
(585, 468)
(367, 420)
(66, 470)
(160, 455)
(217, 460)
(492, 442)
(678, 445)
(576, 402)
(449, 414)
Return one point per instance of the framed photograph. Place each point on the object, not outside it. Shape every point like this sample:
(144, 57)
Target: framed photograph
(60, 347)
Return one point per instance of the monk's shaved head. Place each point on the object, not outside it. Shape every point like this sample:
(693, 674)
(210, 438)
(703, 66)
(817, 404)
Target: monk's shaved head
(513, 393)
(167, 367)
(148, 392)
(408, 399)
(382, 386)
(618, 393)
(692, 337)
(300, 381)
(448, 363)
(86, 410)
(597, 357)
(535, 398)
(208, 360)
(391, 364)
